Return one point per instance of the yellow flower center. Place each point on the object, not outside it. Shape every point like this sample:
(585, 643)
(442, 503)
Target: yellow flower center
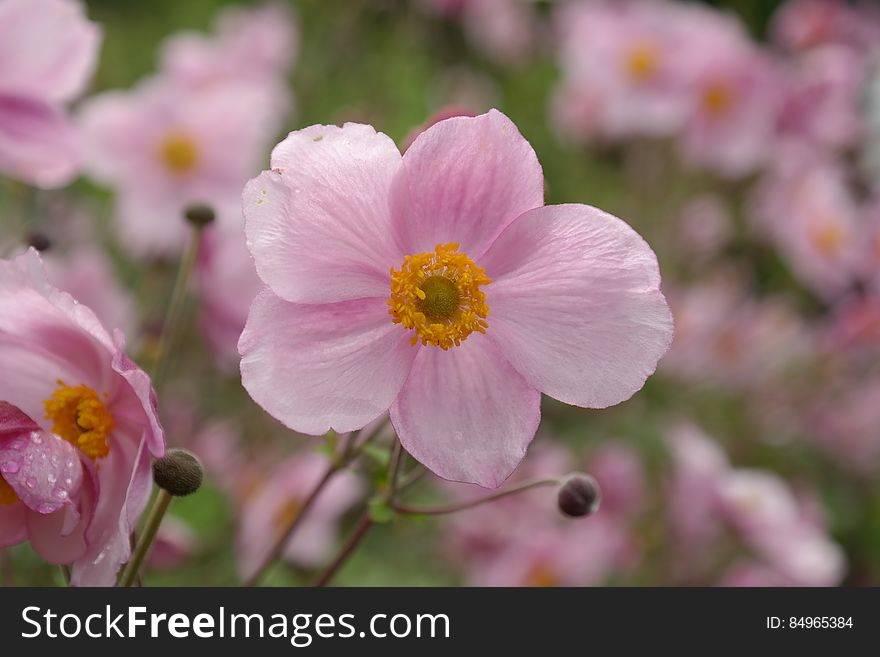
(80, 417)
(7, 494)
(437, 295)
(717, 99)
(541, 575)
(179, 153)
(642, 62)
(829, 239)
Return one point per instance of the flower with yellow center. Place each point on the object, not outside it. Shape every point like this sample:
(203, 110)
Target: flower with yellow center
(829, 239)
(642, 62)
(80, 417)
(717, 99)
(437, 295)
(179, 153)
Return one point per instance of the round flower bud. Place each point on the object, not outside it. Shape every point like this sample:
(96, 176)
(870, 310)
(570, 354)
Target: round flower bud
(199, 215)
(40, 241)
(579, 496)
(178, 472)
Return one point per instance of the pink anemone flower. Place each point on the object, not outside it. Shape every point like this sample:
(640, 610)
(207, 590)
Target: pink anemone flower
(48, 50)
(78, 424)
(381, 271)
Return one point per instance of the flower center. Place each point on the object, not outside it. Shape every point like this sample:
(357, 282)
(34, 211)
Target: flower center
(541, 575)
(80, 417)
(642, 62)
(717, 100)
(437, 295)
(179, 153)
(7, 494)
(829, 239)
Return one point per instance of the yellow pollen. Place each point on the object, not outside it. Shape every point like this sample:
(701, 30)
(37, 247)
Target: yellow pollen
(642, 62)
(80, 417)
(179, 153)
(7, 494)
(717, 99)
(437, 295)
(828, 239)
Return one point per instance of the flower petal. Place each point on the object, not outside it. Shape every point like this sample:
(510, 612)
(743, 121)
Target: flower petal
(319, 223)
(336, 365)
(136, 402)
(38, 143)
(466, 414)
(12, 524)
(43, 470)
(576, 306)
(465, 179)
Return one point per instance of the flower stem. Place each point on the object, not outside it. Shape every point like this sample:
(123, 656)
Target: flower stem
(176, 307)
(461, 506)
(364, 522)
(157, 512)
(351, 543)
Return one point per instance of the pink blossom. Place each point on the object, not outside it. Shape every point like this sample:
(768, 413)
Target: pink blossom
(805, 24)
(273, 506)
(76, 493)
(163, 147)
(175, 543)
(335, 340)
(48, 50)
(705, 226)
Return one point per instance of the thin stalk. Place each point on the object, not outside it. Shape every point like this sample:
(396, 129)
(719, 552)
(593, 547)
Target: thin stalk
(461, 506)
(157, 512)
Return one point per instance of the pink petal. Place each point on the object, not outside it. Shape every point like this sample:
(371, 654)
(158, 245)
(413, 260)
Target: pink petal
(60, 537)
(465, 179)
(137, 402)
(43, 470)
(466, 414)
(575, 304)
(318, 224)
(48, 48)
(12, 524)
(336, 365)
(38, 143)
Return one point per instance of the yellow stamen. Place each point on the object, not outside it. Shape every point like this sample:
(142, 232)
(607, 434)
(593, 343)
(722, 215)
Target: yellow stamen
(717, 99)
(80, 417)
(437, 295)
(179, 153)
(828, 239)
(7, 494)
(642, 62)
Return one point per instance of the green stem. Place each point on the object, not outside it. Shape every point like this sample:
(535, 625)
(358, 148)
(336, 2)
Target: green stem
(461, 506)
(157, 512)
(176, 307)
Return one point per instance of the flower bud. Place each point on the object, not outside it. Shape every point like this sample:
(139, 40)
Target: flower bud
(199, 215)
(579, 496)
(178, 472)
(39, 240)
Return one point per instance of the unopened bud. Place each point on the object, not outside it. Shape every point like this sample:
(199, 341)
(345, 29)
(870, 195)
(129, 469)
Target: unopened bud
(178, 472)
(40, 241)
(199, 215)
(579, 496)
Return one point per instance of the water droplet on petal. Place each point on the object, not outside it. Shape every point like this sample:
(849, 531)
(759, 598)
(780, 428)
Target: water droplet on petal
(36, 438)
(30, 482)
(100, 557)
(47, 507)
(10, 467)
(51, 478)
(60, 493)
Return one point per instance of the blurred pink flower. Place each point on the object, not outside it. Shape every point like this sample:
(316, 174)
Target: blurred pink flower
(273, 505)
(704, 227)
(620, 63)
(163, 147)
(79, 428)
(48, 50)
(574, 293)
(805, 24)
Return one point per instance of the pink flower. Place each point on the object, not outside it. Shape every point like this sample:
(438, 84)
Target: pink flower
(805, 24)
(48, 49)
(175, 543)
(274, 505)
(79, 425)
(734, 98)
(163, 147)
(380, 274)
(620, 63)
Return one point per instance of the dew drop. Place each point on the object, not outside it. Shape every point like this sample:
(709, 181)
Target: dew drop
(30, 482)
(51, 478)
(10, 467)
(60, 493)
(47, 507)
(36, 438)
